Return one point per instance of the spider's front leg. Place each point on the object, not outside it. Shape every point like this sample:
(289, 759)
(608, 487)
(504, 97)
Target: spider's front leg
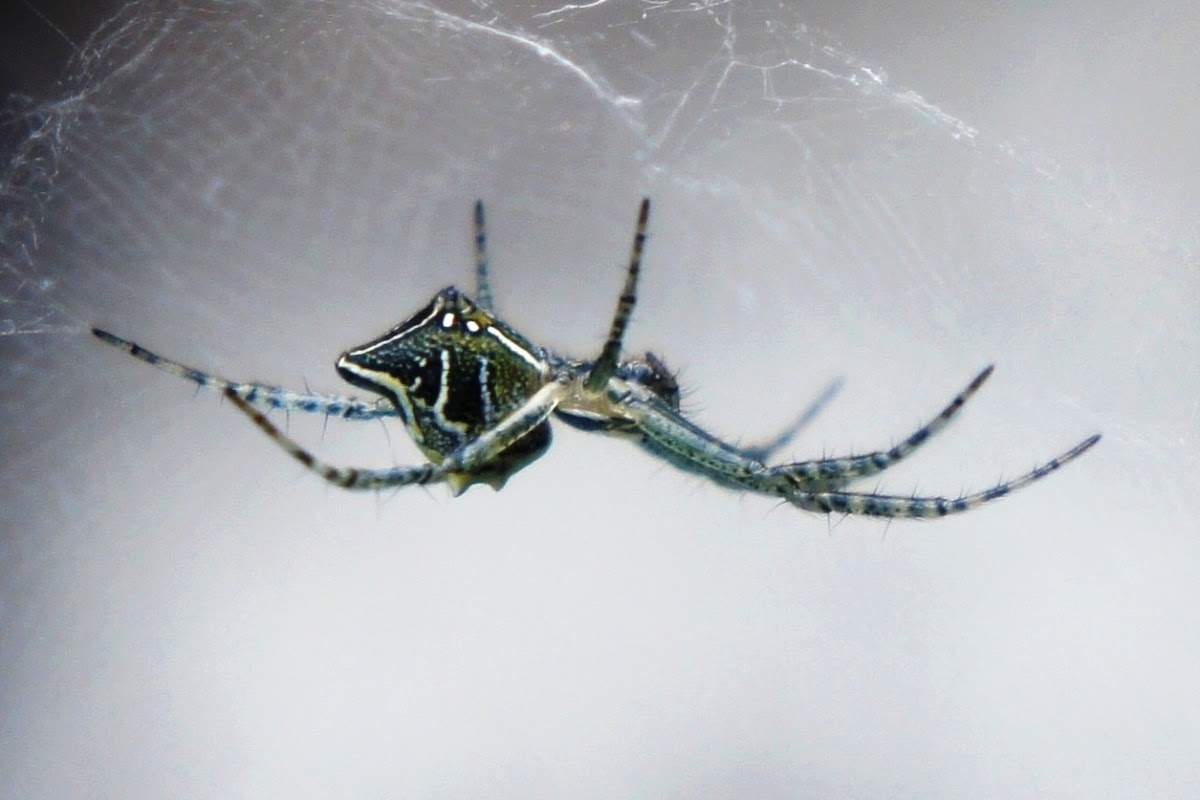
(882, 505)
(459, 468)
(826, 474)
(666, 433)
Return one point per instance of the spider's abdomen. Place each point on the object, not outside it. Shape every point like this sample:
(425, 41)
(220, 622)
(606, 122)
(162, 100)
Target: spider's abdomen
(453, 371)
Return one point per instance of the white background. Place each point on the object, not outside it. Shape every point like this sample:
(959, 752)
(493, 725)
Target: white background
(892, 198)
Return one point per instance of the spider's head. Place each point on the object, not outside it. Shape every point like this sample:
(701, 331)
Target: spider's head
(650, 372)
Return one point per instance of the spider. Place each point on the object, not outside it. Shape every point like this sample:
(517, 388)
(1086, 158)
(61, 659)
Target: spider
(476, 396)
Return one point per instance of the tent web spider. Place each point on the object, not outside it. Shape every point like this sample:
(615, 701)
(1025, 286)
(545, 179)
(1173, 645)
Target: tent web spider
(476, 396)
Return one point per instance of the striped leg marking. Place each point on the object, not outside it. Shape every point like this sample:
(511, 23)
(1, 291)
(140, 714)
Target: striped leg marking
(606, 364)
(260, 395)
(483, 284)
(881, 505)
(831, 473)
(345, 477)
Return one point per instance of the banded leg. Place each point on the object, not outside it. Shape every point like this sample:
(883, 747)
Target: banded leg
(831, 473)
(483, 285)
(606, 364)
(455, 469)
(882, 505)
(763, 451)
(691, 448)
(257, 394)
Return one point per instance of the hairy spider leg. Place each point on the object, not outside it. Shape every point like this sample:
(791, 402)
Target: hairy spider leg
(668, 434)
(455, 469)
(257, 394)
(764, 450)
(483, 284)
(691, 448)
(832, 473)
(606, 364)
(882, 505)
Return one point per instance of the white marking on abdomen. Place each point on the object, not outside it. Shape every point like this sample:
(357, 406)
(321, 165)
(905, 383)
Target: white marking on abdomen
(437, 307)
(488, 412)
(524, 354)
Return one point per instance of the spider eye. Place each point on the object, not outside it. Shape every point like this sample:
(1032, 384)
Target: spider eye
(652, 373)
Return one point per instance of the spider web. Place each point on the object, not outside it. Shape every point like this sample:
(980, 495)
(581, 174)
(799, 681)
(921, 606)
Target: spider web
(251, 185)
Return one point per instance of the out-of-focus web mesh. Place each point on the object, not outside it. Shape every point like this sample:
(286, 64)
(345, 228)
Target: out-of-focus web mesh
(200, 125)
(210, 159)
(247, 185)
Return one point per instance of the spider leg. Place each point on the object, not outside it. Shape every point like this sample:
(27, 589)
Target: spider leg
(456, 468)
(689, 447)
(260, 395)
(882, 505)
(346, 477)
(483, 285)
(764, 450)
(606, 364)
(831, 473)
(668, 434)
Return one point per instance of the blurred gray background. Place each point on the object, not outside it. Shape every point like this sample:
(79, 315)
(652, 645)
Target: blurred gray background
(892, 196)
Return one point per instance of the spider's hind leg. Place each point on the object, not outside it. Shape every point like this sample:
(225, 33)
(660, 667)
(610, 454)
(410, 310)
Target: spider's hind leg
(259, 395)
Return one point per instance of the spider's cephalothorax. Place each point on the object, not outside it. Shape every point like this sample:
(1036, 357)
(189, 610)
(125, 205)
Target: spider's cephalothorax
(476, 397)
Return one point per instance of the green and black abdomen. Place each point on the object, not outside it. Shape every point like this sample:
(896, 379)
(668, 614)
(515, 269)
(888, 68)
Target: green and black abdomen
(453, 371)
